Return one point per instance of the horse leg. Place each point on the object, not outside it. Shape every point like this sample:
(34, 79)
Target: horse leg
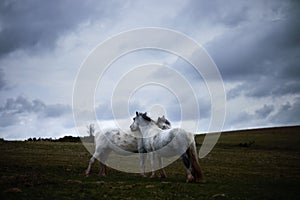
(102, 171)
(162, 171)
(184, 157)
(87, 171)
(141, 151)
(102, 162)
(142, 164)
(92, 160)
(152, 164)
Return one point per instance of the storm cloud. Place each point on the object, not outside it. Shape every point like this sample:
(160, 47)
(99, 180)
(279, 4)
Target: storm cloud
(3, 83)
(263, 55)
(32, 24)
(287, 113)
(255, 45)
(16, 108)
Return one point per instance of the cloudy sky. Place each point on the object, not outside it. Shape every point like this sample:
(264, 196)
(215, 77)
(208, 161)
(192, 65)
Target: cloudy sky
(255, 45)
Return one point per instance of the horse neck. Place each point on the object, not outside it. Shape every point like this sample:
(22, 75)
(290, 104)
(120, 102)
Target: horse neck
(147, 129)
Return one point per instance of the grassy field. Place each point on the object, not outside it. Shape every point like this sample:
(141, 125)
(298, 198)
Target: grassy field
(235, 169)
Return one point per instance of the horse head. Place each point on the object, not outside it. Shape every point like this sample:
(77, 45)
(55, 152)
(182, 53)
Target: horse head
(163, 123)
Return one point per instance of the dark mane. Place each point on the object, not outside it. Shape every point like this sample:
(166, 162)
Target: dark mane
(168, 122)
(145, 117)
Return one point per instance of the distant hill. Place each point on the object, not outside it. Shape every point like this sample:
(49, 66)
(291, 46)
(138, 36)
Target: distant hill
(283, 129)
(269, 130)
(287, 138)
(64, 139)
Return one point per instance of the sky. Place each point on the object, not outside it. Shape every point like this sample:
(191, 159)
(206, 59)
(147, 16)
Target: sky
(254, 44)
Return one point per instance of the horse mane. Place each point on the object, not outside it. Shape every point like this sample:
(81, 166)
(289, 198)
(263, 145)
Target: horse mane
(145, 117)
(168, 122)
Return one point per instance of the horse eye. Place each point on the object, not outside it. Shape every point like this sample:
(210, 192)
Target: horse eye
(134, 119)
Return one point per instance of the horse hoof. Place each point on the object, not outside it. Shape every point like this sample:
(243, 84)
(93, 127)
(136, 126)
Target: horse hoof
(190, 178)
(102, 175)
(201, 181)
(152, 176)
(163, 176)
(86, 173)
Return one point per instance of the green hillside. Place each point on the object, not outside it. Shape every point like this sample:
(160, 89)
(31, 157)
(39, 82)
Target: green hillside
(252, 164)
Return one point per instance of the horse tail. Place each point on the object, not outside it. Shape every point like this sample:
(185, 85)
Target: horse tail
(193, 157)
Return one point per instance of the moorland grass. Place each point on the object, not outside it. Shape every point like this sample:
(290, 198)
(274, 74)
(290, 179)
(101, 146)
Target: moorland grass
(267, 167)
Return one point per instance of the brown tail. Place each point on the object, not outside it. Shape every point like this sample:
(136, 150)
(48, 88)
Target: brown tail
(193, 157)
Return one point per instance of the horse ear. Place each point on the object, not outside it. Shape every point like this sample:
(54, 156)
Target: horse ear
(137, 114)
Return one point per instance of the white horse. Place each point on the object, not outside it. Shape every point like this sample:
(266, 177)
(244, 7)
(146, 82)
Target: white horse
(122, 143)
(167, 143)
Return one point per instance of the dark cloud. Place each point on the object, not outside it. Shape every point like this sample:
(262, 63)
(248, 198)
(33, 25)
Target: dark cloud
(3, 82)
(259, 47)
(238, 120)
(252, 52)
(14, 109)
(56, 110)
(235, 92)
(262, 56)
(260, 117)
(21, 107)
(285, 114)
(288, 113)
(213, 12)
(265, 87)
(265, 111)
(262, 47)
(8, 119)
(288, 87)
(31, 23)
